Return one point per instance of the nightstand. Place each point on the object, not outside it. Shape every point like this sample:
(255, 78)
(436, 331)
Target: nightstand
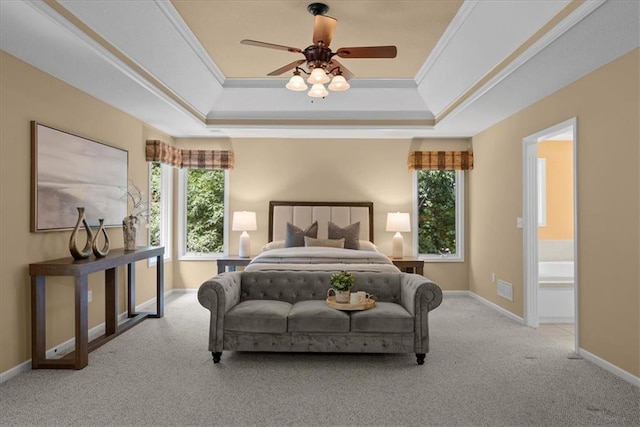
(409, 264)
(232, 262)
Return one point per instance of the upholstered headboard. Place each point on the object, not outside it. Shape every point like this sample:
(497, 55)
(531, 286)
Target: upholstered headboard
(303, 214)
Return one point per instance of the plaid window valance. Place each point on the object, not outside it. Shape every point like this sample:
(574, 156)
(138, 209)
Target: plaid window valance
(158, 151)
(441, 160)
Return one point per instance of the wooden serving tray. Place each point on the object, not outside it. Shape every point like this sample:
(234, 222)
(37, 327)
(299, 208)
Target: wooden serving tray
(366, 305)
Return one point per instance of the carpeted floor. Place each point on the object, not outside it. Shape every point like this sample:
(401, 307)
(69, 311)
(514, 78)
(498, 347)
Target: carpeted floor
(483, 369)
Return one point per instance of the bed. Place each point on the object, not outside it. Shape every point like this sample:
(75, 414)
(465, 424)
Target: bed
(321, 236)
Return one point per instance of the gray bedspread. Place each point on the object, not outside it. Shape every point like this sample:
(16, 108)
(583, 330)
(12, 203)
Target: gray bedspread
(322, 258)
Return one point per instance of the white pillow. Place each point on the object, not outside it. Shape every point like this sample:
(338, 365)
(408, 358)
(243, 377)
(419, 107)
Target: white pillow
(276, 244)
(366, 245)
(330, 243)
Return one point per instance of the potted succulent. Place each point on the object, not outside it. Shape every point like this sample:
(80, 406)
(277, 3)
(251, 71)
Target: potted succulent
(341, 285)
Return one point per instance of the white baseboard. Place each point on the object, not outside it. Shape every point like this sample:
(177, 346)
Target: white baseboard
(557, 320)
(15, 371)
(69, 345)
(607, 366)
(455, 293)
(488, 303)
(621, 373)
(185, 291)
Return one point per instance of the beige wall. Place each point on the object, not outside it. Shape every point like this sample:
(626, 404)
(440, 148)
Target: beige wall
(605, 102)
(607, 106)
(267, 169)
(331, 170)
(28, 94)
(559, 190)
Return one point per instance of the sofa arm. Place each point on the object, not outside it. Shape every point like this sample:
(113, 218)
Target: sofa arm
(219, 294)
(419, 296)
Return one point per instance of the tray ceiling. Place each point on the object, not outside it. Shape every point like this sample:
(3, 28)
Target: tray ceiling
(461, 67)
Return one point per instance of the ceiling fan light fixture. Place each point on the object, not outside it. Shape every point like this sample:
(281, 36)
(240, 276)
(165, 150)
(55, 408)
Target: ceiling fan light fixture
(339, 84)
(318, 91)
(296, 83)
(319, 59)
(318, 75)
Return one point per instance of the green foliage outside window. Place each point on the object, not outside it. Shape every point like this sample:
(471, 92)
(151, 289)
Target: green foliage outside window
(436, 212)
(155, 187)
(205, 211)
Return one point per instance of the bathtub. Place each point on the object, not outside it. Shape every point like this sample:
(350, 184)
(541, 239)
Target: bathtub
(556, 299)
(555, 271)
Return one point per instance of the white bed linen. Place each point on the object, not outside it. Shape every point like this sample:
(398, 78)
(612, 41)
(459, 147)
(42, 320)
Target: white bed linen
(319, 258)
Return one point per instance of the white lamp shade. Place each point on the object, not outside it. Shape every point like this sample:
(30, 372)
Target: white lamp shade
(318, 76)
(296, 83)
(318, 91)
(338, 84)
(398, 221)
(244, 221)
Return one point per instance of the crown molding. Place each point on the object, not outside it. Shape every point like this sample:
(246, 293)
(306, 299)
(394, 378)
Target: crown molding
(454, 26)
(114, 57)
(356, 83)
(473, 94)
(192, 41)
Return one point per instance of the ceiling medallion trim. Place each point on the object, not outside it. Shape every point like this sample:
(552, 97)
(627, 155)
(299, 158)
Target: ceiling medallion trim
(563, 21)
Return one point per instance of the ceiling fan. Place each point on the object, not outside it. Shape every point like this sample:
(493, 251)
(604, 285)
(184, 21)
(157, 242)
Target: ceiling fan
(320, 59)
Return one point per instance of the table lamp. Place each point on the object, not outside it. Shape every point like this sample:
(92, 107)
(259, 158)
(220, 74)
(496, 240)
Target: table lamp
(244, 221)
(398, 222)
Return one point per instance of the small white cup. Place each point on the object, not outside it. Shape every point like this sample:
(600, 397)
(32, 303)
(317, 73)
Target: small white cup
(355, 298)
(358, 297)
(364, 296)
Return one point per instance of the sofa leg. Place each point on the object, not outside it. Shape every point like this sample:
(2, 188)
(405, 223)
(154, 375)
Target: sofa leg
(420, 357)
(216, 356)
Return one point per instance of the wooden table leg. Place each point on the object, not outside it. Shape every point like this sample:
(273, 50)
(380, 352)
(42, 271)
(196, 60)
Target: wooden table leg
(111, 301)
(38, 321)
(131, 289)
(159, 286)
(81, 356)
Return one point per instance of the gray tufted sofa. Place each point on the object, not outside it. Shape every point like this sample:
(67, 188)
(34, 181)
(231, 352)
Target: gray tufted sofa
(286, 311)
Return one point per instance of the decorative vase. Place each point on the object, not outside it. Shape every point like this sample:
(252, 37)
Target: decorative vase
(341, 296)
(73, 245)
(129, 230)
(100, 253)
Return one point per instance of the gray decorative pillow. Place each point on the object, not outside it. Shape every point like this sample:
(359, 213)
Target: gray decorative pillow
(295, 235)
(351, 234)
(329, 243)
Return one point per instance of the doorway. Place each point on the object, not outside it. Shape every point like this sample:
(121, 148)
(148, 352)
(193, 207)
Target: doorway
(550, 251)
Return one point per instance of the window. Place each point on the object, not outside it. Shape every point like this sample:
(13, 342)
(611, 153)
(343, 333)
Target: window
(160, 195)
(202, 213)
(440, 215)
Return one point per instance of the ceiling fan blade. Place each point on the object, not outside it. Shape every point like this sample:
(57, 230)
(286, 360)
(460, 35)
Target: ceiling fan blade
(287, 67)
(270, 45)
(367, 52)
(343, 70)
(323, 29)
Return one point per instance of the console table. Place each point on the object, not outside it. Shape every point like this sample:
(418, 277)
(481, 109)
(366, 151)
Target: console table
(79, 270)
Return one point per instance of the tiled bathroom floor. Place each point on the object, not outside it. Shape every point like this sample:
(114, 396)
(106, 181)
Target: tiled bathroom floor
(563, 333)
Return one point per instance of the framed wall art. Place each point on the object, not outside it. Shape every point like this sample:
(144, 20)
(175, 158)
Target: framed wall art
(69, 171)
